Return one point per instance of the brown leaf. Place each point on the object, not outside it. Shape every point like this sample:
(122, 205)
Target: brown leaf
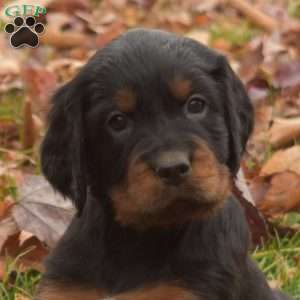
(259, 187)
(2, 269)
(68, 6)
(201, 20)
(27, 255)
(40, 84)
(284, 131)
(205, 6)
(291, 35)
(283, 195)
(9, 133)
(258, 144)
(283, 160)
(41, 211)
(255, 15)
(5, 207)
(144, 3)
(257, 224)
(110, 32)
(65, 68)
(65, 39)
(287, 74)
(221, 44)
(8, 227)
(29, 133)
(251, 58)
(33, 252)
(10, 66)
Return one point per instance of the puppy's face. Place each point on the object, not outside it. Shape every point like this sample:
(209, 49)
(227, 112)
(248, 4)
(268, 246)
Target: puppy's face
(153, 120)
(158, 145)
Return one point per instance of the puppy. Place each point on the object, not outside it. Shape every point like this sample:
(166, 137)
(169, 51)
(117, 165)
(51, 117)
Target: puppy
(145, 141)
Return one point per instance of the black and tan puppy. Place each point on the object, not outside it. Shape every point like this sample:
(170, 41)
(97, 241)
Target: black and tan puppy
(145, 141)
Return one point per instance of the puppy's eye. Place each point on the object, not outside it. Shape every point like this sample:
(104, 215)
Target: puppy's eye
(117, 121)
(196, 105)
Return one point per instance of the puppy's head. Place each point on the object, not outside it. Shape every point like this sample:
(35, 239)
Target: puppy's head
(156, 123)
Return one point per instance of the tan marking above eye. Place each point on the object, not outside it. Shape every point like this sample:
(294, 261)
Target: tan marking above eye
(126, 99)
(180, 88)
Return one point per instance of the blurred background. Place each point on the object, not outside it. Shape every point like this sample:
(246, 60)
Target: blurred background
(261, 39)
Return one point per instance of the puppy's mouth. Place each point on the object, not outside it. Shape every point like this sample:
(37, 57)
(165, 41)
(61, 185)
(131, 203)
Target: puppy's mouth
(146, 200)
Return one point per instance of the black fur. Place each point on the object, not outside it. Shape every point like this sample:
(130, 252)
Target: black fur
(82, 159)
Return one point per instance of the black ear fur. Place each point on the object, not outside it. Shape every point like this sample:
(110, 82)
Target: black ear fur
(63, 149)
(239, 114)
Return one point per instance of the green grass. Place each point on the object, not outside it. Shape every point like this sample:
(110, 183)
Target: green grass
(279, 260)
(15, 282)
(235, 35)
(19, 283)
(11, 106)
(294, 8)
(7, 187)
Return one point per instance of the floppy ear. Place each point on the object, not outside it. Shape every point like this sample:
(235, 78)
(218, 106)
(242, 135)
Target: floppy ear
(239, 114)
(63, 149)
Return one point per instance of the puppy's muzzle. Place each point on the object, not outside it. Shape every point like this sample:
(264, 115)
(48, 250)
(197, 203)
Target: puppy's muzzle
(172, 167)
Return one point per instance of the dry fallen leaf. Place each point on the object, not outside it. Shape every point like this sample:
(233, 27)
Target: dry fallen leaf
(109, 33)
(10, 66)
(2, 269)
(284, 131)
(68, 6)
(255, 220)
(8, 227)
(30, 134)
(6, 205)
(40, 84)
(259, 187)
(287, 75)
(258, 144)
(29, 254)
(65, 39)
(41, 211)
(283, 195)
(283, 160)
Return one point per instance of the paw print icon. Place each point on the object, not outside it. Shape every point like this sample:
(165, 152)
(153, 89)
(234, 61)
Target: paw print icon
(24, 32)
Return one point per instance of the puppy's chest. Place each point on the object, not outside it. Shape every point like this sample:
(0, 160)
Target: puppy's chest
(163, 291)
(159, 291)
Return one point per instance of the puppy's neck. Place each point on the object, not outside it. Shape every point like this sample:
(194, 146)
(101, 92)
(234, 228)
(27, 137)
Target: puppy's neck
(145, 255)
(98, 213)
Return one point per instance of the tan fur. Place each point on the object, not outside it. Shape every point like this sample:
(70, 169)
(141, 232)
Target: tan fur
(126, 100)
(180, 88)
(160, 292)
(213, 177)
(144, 200)
(51, 290)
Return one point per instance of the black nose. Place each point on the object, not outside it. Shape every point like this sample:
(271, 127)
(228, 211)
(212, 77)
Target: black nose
(172, 167)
